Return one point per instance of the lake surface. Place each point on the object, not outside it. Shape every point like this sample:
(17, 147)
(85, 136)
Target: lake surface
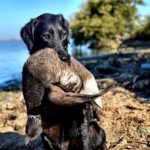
(13, 54)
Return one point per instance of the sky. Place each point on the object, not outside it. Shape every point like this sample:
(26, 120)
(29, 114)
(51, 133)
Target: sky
(15, 13)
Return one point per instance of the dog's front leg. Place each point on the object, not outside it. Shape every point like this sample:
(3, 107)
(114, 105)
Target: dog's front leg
(84, 128)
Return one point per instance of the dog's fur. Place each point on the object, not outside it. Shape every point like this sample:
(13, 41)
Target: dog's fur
(47, 30)
(42, 71)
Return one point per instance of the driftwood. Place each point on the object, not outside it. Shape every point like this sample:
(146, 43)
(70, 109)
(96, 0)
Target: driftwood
(15, 141)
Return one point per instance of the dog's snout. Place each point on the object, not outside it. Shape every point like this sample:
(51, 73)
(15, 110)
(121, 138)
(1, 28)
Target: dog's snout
(66, 57)
(63, 55)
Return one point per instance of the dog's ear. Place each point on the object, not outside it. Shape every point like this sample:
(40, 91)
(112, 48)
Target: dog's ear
(27, 33)
(65, 25)
(64, 22)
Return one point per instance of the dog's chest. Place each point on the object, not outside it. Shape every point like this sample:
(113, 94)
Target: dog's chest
(70, 81)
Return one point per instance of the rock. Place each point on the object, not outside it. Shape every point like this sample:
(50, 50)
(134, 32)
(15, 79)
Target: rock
(13, 141)
(145, 66)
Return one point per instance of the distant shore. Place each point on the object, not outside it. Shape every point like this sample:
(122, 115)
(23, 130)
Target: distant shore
(10, 39)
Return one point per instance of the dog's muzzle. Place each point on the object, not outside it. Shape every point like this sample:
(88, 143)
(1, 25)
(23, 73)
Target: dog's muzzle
(63, 55)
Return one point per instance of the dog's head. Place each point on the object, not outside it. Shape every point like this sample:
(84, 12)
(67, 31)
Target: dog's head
(47, 30)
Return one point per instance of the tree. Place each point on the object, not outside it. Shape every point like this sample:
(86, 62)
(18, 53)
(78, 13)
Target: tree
(143, 30)
(100, 21)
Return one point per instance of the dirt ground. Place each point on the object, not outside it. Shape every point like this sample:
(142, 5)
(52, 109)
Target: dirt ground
(125, 118)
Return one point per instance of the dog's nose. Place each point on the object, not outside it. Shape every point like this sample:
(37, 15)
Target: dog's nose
(65, 58)
(63, 55)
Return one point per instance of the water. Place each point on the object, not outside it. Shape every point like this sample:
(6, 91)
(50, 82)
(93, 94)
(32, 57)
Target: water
(13, 54)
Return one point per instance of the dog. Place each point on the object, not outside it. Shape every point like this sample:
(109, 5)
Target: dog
(45, 76)
(47, 30)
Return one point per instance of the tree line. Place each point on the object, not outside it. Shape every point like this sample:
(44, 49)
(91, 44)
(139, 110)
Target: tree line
(106, 23)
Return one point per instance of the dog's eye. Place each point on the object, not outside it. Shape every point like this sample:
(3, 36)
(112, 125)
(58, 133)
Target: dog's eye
(47, 36)
(63, 33)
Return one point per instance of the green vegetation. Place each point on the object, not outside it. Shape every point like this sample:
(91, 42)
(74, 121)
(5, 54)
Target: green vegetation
(100, 22)
(143, 30)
